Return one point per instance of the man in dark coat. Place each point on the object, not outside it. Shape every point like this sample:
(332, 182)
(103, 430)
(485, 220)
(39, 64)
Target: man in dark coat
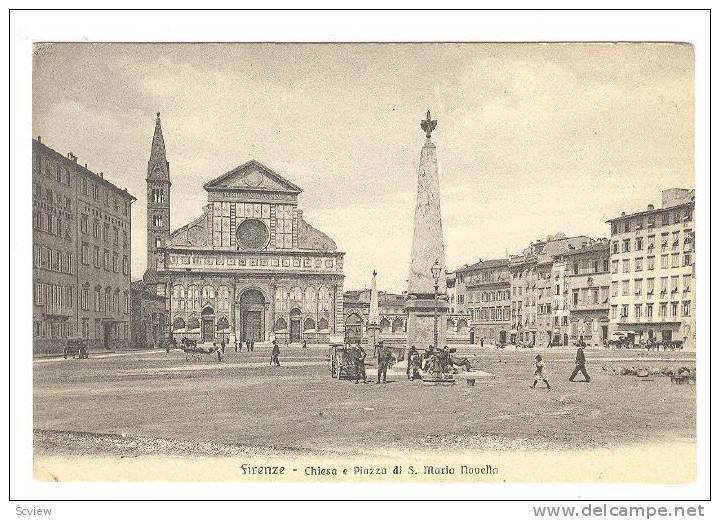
(359, 360)
(275, 354)
(580, 364)
(383, 361)
(414, 363)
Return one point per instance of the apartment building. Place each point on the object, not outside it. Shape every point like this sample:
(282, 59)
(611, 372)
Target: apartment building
(652, 270)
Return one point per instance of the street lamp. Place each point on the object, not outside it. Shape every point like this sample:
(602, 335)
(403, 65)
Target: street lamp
(435, 271)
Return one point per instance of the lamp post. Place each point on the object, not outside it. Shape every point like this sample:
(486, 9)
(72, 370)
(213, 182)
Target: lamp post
(435, 271)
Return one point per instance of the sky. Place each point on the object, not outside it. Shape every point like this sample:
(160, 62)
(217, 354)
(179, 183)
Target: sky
(532, 139)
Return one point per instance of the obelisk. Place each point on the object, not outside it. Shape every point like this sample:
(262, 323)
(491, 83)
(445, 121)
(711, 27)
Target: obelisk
(373, 326)
(427, 303)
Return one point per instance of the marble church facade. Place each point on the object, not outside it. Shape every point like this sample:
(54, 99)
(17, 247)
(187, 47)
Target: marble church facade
(249, 267)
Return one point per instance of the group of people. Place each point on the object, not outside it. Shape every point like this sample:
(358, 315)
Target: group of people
(442, 360)
(416, 362)
(219, 348)
(434, 360)
(383, 357)
(249, 345)
(541, 369)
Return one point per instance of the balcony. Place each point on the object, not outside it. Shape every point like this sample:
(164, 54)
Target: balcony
(587, 306)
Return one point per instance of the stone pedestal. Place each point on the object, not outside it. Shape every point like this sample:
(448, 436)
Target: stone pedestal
(427, 251)
(421, 322)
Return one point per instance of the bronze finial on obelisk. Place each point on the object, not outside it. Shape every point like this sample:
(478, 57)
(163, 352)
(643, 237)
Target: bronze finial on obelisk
(428, 124)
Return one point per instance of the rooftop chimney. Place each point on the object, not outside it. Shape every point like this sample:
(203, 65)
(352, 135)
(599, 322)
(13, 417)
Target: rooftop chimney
(650, 207)
(39, 139)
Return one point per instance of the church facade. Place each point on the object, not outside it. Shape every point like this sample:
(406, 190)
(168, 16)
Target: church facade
(249, 267)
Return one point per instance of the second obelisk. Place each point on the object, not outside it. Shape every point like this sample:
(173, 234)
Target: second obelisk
(427, 303)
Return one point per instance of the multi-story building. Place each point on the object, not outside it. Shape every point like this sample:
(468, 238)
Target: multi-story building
(81, 250)
(539, 311)
(450, 283)
(652, 270)
(487, 300)
(457, 293)
(249, 266)
(586, 283)
(523, 295)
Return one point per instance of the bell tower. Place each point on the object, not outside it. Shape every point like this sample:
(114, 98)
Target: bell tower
(158, 198)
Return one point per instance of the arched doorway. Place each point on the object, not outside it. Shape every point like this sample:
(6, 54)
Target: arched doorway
(208, 324)
(295, 315)
(251, 316)
(353, 328)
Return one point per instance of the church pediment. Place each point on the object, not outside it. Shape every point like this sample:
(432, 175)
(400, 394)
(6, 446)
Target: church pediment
(252, 176)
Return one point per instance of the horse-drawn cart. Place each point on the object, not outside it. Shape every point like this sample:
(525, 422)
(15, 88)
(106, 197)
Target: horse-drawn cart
(343, 362)
(76, 347)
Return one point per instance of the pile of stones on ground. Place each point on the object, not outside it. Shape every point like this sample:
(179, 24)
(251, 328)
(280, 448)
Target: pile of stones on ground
(681, 375)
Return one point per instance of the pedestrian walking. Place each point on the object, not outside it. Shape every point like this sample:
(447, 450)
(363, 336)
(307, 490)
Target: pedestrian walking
(252, 345)
(482, 342)
(275, 354)
(304, 344)
(580, 364)
(540, 372)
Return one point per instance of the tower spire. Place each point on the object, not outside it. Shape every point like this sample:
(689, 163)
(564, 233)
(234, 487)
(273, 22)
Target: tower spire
(158, 200)
(158, 166)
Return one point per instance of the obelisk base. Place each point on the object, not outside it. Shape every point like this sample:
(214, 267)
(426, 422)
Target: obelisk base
(422, 313)
(373, 336)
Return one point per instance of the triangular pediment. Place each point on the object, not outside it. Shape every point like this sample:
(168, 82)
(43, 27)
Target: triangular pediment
(252, 176)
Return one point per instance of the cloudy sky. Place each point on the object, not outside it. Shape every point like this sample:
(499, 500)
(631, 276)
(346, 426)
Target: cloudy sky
(532, 139)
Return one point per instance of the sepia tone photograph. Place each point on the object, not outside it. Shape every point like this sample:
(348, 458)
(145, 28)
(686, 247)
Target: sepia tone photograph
(364, 262)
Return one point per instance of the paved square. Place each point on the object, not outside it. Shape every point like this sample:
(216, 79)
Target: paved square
(243, 402)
